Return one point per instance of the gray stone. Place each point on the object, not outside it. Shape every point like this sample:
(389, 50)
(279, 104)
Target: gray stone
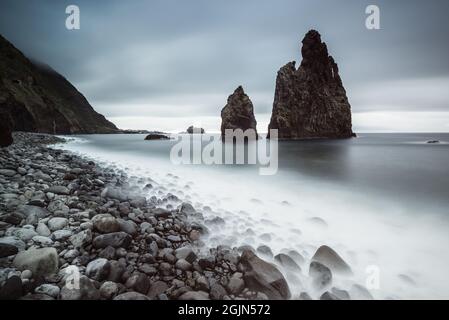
(19, 244)
(11, 289)
(327, 256)
(43, 230)
(41, 262)
(183, 265)
(8, 172)
(81, 239)
(28, 210)
(115, 239)
(185, 253)
(61, 235)
(86, 291)
(57, 223)
(43, 241)
(287, 262)
(48, 289)
(131, 296)
(109, 290)
(259, 275)
(24, 234)
(62, 190)
(156, 289)
(321, 275)
(105, 223)
(194, 295)
(236, 284)
(98, 269)
(7, 250)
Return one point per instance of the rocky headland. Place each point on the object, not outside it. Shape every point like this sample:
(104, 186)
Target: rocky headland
(35, 98)
(311, 102)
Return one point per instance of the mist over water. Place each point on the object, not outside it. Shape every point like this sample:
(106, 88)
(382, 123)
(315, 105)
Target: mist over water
(379, 200)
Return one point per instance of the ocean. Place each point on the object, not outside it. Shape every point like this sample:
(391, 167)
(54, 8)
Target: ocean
(380, 200)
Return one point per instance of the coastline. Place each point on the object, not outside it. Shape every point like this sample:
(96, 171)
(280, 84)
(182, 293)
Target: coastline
(125, 247)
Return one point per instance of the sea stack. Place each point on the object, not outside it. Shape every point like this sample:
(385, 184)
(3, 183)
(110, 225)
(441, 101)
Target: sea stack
(310, 102)
(238, 113)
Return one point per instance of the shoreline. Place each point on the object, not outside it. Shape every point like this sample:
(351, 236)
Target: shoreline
(124, 246)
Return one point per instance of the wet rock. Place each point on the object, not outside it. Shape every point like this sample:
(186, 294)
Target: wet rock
(139, 282)
(81, 239)
(328, 296)
(185, 253)
(41, 262)
(98, 269)
(183, 265)
(28, 210)
(265, 250)
(340, 294)
(105, 223)
(327, 256)
(108, 290)
(43, 230)
(304, 296)
(7, 250)
(262, 276)
(48, 289)
(217, 291)
(195, 295)
(236, 284)
(19, 244)
(11, 289)
(61, 235)
(43, 241)
(287, 262)
(131, 296)
(321, 275)
(86, 291)
(115, 239)
(62, 190)
(57, 223)
(156, 289)
(358, 292)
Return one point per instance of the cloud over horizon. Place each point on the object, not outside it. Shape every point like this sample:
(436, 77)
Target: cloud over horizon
(170, 59)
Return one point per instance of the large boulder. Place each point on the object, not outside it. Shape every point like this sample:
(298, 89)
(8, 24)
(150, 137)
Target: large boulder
(41, 262)
(311, 102)
(262, 276)
(238, 113)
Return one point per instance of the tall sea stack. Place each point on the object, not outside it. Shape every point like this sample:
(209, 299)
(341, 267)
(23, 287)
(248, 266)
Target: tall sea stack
(311, 102)
(238, 113)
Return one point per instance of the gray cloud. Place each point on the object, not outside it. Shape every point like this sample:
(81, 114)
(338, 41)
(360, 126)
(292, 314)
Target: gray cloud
(183, 58)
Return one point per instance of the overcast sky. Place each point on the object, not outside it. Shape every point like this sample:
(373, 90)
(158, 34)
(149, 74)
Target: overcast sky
(167, 64)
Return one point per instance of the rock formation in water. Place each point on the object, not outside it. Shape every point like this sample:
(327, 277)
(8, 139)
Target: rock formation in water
(36, 98)
(311, 102)
(238, 113)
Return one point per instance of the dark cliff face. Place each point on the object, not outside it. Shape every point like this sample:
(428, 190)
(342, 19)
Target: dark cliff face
(36, 98)
(238, 113)
(311, 102)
